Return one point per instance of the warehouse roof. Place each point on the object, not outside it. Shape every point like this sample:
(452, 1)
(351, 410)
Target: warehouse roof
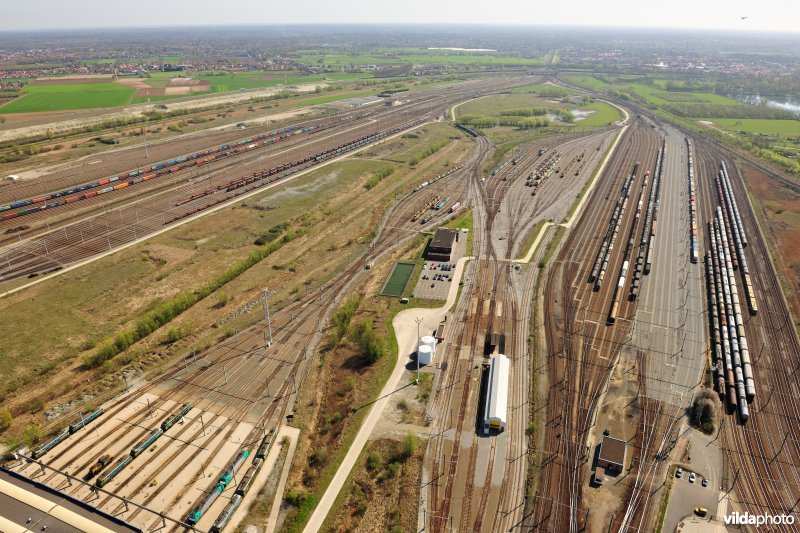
(497, 395)
(444, 238)
(26, 504)
(612, 450)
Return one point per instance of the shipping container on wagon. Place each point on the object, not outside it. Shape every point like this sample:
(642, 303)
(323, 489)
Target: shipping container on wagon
(496, 411)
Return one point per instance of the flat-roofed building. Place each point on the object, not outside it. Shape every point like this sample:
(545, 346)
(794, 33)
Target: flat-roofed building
(612, 454)
(441, 248)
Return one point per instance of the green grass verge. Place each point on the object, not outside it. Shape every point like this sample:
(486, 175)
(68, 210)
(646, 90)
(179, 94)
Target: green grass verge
(464, 221)
(331, 98)
(530, 237)
(662, 510)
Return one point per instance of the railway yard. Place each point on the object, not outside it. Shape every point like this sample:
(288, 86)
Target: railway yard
(646, 286)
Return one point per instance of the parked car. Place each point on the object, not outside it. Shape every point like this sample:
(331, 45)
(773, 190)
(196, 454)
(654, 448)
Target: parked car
(692, 477)
(679, 472)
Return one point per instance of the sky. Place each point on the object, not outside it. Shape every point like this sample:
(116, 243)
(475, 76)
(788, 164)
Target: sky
(762, 15)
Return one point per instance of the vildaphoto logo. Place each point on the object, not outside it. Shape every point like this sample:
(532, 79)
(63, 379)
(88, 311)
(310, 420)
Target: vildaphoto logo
(746, 519)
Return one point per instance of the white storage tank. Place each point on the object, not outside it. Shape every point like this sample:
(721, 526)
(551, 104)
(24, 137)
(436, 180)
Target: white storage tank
(429, 340)
(424, 354)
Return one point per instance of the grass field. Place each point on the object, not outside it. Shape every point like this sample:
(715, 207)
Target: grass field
(543, 89)
(659, 97)
(778, 128)
(601, 115)
(398, 280)
(69, 96)
(590, 82)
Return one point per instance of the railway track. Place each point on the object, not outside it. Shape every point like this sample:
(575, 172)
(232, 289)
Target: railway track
(583, 349)
(763, 456)
(35, 256)
(230, 394)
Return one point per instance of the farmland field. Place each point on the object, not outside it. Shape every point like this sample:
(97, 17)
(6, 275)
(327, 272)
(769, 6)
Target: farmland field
(421, 57)
(69, 96)
(782, 128)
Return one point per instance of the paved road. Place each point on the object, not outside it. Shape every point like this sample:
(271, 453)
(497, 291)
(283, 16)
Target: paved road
(405, 329)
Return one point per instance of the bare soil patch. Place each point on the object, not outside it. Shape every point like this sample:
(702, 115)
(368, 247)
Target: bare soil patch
(778, 209)
(136, 83)
(177, 90)
(150, 91)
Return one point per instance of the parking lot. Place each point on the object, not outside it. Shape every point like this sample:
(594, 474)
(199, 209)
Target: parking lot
(435, 280)
(686, 496)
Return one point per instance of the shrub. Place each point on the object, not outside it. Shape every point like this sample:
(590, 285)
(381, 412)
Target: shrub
(222, 299)
(374, 461)
(409, 446)
(31, 435)
(296, 496)
(5, 420)
(174, 334)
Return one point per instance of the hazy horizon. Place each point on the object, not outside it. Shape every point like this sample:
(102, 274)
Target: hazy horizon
(40, 15)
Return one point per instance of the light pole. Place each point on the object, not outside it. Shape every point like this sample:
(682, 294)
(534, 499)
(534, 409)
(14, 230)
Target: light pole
(418, 321)
(266, 315)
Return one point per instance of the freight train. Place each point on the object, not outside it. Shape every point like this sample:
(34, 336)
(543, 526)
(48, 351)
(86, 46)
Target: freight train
(133, 177)
(692, 204)
(737, 237)
(734, 376)
(604, 253)
(264, 178)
